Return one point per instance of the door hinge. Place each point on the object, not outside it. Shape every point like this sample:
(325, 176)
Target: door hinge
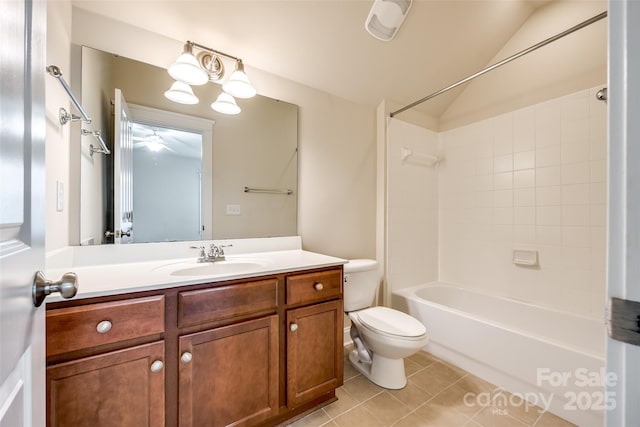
(623, 320)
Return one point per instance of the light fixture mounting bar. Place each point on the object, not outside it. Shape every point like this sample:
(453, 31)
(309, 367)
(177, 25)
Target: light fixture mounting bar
(213, 51)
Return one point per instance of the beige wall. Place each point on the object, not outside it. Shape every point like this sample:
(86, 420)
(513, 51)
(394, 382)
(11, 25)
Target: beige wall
(336, 179)
(57, 136)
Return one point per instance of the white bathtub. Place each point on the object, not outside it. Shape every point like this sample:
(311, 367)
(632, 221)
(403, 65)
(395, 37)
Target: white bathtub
(552, 358)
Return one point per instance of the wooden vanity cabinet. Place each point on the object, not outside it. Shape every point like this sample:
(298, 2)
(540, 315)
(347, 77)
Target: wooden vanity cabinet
(230, 376)
(252, 352)
(98, 373)
(314, 335)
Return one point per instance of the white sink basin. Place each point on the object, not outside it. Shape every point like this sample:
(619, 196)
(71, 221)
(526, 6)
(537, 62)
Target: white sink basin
(226, 267)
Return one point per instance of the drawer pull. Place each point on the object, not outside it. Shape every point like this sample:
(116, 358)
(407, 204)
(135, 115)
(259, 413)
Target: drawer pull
(186, 357)
(293, 327)
(318, 286)
(157, 366)
(104, 327)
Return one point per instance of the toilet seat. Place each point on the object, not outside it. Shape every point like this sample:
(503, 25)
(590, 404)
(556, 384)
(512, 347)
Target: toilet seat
(390, 322)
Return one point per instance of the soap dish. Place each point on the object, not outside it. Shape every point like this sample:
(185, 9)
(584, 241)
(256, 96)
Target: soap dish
(525, 257)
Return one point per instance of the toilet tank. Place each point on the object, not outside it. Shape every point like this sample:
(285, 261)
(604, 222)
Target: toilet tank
(360, 284)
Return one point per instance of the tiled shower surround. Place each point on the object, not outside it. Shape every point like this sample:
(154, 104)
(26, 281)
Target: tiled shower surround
(534, 179)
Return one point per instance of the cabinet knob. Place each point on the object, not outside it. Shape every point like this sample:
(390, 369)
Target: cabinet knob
(293, 327)
(318, 286)
(186, 357)
(157, 366)
(104, 327)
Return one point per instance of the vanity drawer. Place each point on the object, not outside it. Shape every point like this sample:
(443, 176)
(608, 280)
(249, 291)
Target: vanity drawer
(86, 326)
(225, 302)
(310, 287)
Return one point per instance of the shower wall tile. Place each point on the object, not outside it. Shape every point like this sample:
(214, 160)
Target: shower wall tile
(524, 178)
(524, 197)
(503, 163)
(598, 171)
(548, 156)
(549, 215)
(549, 196)
(576, 173)
(599, 192)
(524, 130)
(576, 194)
(575, 215)
(598, 215)
(524, 160)
(533, 178)
(551, 175)
(503, 180)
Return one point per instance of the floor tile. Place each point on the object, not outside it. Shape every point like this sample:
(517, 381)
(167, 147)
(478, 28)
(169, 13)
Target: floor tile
(358, 417)
(349, 371)
(549, 420)
(411, 395)
(437, 394)
(429, 382)
(423, 358)
(344, 403)
(361, 388)
(386, 408)
(412, 420)
(411, 367)
(439, 416)
(493, 417)
(315, 419)
(519, 408)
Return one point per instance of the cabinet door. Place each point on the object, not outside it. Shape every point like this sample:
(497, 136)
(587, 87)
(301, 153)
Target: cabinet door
(123, 388)
(228, 376)
(314, 351)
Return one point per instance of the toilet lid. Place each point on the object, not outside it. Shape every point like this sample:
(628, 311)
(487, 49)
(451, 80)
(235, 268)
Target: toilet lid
(392, 322)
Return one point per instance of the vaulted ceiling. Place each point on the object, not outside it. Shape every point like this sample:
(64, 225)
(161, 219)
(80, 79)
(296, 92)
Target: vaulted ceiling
(323, 44)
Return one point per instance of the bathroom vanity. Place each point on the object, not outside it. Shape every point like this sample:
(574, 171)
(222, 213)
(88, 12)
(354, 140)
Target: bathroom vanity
(240, 349)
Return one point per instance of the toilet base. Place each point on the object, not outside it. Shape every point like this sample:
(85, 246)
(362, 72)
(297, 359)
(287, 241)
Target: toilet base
(385, 372)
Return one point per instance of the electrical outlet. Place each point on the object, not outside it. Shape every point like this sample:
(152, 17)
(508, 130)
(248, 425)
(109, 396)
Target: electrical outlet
(234, 210)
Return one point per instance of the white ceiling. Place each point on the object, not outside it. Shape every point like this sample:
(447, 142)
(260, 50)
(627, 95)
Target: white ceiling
(323, 44)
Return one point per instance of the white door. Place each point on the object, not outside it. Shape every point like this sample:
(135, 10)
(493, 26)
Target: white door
(623, 262)
(22, 199)
(122, 171)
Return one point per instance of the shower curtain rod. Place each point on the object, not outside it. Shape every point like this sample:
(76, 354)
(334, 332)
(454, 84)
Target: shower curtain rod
(504, 61)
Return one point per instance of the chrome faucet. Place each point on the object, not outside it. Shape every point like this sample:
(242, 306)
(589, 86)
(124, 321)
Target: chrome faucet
(214, 254)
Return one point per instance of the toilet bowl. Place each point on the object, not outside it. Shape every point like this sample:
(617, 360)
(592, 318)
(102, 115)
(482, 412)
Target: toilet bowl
(382, 336)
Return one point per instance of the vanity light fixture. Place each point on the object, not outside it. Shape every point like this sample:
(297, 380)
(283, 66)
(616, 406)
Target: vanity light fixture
(187, 69)
(207, 66)
(181, 93)
(225, 104)
(238, 84)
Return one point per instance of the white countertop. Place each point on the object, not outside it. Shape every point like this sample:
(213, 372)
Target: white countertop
(102, 279)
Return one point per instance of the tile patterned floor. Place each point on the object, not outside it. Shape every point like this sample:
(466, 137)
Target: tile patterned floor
(433, 397)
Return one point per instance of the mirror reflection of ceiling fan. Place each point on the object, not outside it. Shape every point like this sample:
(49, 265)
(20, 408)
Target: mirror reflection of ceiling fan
(152, 141)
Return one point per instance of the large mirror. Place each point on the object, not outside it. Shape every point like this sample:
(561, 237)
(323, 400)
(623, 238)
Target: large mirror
(188, 172)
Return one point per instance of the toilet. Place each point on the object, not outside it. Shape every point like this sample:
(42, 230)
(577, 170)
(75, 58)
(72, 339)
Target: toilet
(382, 337)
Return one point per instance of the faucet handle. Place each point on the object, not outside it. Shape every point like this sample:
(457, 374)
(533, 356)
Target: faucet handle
(222, 250)
(202, 252)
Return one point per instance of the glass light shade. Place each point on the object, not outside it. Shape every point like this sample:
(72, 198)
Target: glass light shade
(154, 145)
(225, 104)
(186, 69)
(181, 93)
(238, 84)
